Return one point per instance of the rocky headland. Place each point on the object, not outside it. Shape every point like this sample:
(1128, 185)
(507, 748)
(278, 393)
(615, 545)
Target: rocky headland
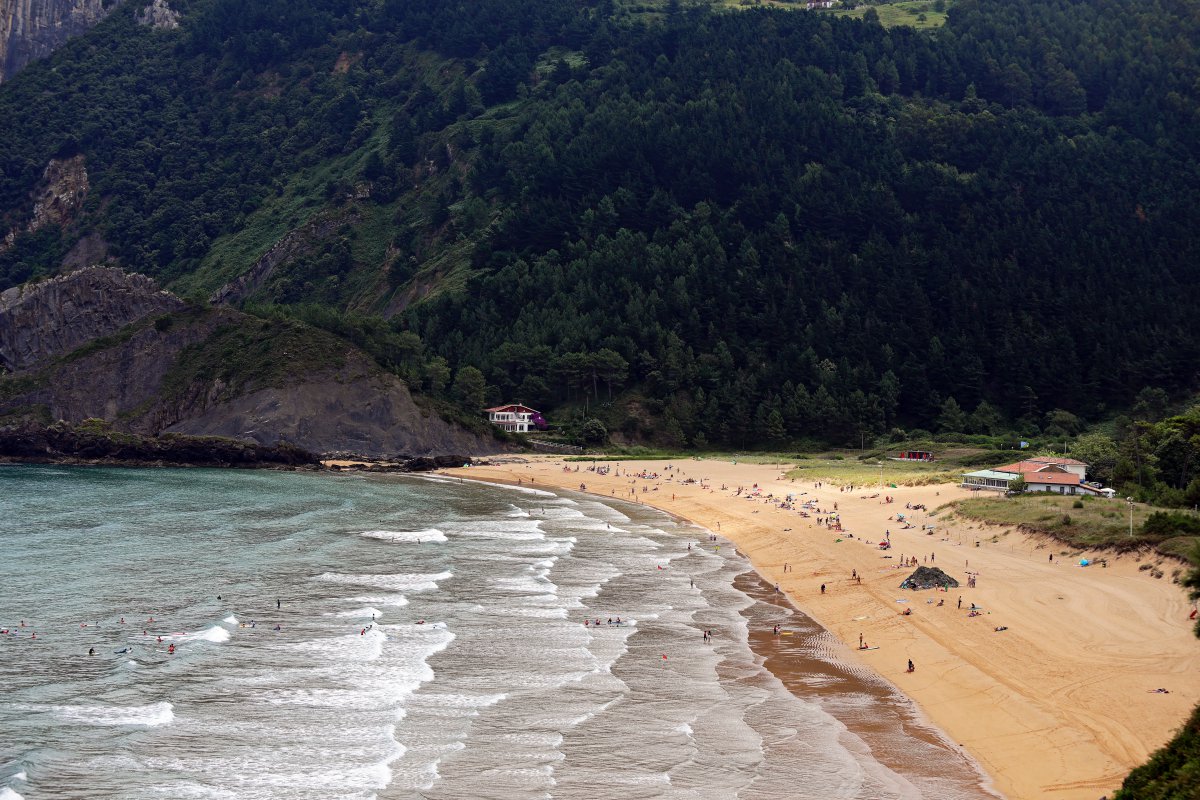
(101, 344)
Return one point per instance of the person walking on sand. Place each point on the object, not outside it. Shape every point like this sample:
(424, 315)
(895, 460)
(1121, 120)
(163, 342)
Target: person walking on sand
(911, 668)
(960, 602)
(860, 642)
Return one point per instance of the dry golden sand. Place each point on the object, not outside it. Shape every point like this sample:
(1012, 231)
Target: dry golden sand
(1060, 705)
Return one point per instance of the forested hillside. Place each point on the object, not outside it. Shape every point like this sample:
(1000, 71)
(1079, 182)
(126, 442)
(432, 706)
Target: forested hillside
(740, 228)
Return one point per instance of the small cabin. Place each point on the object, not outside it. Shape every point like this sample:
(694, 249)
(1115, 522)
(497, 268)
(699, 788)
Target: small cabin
(915, 455)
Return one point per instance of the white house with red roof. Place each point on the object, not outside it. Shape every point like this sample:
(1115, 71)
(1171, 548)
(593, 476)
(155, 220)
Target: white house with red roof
(515, 418)
(1040, 473)
(1053, 463)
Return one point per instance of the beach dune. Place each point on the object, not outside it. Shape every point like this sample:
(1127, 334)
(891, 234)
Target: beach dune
(1061, 703)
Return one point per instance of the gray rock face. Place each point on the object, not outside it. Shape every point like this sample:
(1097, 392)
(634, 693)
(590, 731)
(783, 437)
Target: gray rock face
(159, 15)
(350, 410)
(134, 380)
(43, 320)
(32, 29)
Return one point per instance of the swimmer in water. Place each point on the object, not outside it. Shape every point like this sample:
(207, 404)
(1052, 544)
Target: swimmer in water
(91, 651)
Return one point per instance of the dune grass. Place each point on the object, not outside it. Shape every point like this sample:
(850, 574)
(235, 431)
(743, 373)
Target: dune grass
(1080, 522)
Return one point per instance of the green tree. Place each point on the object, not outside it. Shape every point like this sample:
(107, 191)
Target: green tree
(985, 418)
(593, 431)
(470, 388)
(1150, 404)
(437, 375)
(952, 418)
(1100, 454)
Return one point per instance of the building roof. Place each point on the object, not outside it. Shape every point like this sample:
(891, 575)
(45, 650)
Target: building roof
(990, 473)
(1058, 460)
(515, 408)
(1034, 465)
(1054, 478)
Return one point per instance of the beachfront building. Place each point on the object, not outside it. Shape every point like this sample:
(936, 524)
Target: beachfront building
(1043, 463)
(1041, 474)
(1058, 483)
(514, 418)
(988, 479)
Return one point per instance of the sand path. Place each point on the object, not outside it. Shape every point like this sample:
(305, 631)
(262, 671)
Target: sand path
(1060, 705)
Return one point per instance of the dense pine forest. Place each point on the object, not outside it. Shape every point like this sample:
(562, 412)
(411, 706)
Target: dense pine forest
(740, 228)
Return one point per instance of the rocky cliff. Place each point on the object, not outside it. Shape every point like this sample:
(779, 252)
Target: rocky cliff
(102, 344)
(43, 320)
(32, 29)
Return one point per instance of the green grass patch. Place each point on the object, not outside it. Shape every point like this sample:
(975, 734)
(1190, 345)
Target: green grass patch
(255, 353)
(1099, 523)
(843, 471)
(911, 13)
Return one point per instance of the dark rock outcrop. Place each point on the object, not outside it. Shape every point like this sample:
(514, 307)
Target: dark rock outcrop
(97, 345)
(928, 578)
(44, 320)
(357, 408)
(97, 443)
(57, 199)
(33, 29)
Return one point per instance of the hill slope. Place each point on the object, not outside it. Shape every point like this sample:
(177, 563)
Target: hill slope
(762, 226)
(149, 364)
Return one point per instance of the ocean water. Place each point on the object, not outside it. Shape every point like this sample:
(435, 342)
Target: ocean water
(351, 636)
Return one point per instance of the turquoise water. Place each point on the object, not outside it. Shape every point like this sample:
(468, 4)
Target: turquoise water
(345, 636)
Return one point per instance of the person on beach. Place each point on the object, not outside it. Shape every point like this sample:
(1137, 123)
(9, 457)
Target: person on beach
(911, 668)
(960, 602)
(822, 588)
(860, 642)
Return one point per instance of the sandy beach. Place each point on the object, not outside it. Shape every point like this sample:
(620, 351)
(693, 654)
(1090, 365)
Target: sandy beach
(1060, 704)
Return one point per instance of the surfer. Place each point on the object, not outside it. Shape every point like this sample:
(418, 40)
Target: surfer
(91, 651)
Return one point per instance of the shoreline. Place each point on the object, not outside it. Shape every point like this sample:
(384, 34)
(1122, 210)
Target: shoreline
(1060, 703)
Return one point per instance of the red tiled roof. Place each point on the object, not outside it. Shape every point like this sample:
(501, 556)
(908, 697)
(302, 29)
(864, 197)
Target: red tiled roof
(1058, 461)
(1035, 464)
(1019, 467)
(1055, 478)
(514, 407)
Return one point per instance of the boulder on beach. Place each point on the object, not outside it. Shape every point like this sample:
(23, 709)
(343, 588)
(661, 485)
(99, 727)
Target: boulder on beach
(928, 578)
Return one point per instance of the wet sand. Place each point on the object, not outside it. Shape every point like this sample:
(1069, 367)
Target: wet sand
(804, 656)
(1058, 705)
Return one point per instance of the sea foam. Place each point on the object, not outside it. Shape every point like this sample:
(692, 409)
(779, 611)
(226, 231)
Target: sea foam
(415, 582)
(407, 537)
(212, 634)
(149, 716)
(9, 794)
